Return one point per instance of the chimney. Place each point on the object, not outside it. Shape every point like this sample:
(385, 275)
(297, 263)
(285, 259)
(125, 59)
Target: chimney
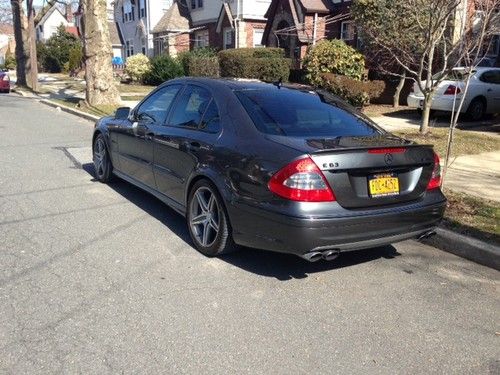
(69, 13)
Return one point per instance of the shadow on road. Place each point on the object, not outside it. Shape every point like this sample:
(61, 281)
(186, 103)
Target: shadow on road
(280, 266)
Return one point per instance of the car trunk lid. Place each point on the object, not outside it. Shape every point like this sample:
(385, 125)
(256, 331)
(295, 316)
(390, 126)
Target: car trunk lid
(370, 171)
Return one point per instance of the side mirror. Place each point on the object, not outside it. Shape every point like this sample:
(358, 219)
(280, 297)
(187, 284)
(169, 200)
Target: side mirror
(122, 113)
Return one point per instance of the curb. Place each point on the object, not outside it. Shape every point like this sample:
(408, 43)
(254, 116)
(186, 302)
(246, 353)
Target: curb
(64, 108)
(72, 111)
(466, 247)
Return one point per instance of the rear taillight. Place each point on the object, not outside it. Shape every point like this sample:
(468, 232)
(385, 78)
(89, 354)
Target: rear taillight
(452, 90)
(435, 181)
(302, 181)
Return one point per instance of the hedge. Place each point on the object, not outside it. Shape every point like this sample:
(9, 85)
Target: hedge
(266, 64)
(357, 93)
(163, 68)
(203, 67)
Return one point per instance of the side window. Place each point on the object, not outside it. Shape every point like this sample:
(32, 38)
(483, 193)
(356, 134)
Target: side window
(155, 108)
(491, 76)
(190, 107)
(211, 120)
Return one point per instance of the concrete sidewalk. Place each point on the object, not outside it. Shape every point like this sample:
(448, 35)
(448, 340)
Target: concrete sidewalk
(477, 175)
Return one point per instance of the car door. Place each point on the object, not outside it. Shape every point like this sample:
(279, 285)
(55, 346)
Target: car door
(187, 139)
(135, 137)
(491, 80)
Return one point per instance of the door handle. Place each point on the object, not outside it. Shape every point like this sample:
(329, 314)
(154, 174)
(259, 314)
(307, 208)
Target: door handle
(489, 90)
(150, 135)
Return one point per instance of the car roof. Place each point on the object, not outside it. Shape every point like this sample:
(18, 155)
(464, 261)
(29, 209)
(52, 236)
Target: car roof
(241, 83)
(477, 69)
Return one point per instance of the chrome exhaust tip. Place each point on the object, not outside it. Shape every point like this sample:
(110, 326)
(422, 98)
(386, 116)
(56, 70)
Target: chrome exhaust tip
(313, 256)
(331, 254)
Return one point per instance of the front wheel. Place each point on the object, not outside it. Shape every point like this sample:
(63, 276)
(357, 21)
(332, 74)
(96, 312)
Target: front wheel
(208, 222)
(102, 160)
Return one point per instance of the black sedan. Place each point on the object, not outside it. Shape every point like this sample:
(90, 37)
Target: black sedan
(282, 168)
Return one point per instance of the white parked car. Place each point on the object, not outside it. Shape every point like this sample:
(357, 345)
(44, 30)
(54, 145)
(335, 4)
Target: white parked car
(483, 94)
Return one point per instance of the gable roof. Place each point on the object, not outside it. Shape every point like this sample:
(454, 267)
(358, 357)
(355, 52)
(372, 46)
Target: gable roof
(115, 34)
(225, 11)
(176, 18)
(46, 13)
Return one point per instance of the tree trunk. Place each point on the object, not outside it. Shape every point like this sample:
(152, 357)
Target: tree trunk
(32, 63)
(21, 37)
(100, 88)
(424, 126)
(399, 87)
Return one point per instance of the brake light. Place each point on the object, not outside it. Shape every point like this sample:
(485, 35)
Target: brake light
(387, 150)
(303, 181)
(452, 90)
(435, 181)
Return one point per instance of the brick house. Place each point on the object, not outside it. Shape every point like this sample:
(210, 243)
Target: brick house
(211, 23)
(296, 24)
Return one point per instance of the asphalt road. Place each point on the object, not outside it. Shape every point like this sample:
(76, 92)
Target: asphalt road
(101, 278)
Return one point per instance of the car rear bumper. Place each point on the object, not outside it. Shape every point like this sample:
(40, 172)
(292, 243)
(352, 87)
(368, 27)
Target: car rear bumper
(439, 103)
(269, 231)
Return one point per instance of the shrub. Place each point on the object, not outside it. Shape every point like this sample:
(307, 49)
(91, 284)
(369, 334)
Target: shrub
(185, 57)
(75, 58)
(10, 61)
(267, 64)
(55, 53)
(356, 92)
(137, 67)
(203, 66)
(162, 69)
(333, 56)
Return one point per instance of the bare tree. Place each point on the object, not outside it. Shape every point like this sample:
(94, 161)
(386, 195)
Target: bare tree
(101, 87)
(32, 63)
(480, 27)
(21, 36)
(5, 12)
(418, 35)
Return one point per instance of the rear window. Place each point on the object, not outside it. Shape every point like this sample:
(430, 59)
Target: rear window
(297, 113)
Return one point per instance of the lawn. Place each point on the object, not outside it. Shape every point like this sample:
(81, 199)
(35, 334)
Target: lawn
(135, 89)
(473, 216)
(465, 142)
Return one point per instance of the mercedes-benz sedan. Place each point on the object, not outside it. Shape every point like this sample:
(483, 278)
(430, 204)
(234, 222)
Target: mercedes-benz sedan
(282, 168)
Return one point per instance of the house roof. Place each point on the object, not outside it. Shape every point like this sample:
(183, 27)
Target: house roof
(114, 34)
(225, 11)
(317, 6)
(6, 29)
(175, 19)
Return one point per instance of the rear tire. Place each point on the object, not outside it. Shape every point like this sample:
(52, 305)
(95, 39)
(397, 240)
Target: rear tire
(208, 222)
(476, 110)
(102, 162)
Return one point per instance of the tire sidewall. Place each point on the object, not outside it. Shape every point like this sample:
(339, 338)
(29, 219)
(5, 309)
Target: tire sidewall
(107, 165)
(472, 111)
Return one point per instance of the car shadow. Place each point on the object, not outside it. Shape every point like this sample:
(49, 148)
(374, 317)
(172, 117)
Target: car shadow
(265, 263)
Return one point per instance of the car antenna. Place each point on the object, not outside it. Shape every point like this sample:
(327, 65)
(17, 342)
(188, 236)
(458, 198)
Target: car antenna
(279, 83)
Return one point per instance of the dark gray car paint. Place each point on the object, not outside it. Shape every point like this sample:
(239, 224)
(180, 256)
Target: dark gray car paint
(240, 160)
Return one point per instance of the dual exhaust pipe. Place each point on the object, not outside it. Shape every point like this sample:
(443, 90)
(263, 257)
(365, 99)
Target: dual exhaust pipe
(314, 256)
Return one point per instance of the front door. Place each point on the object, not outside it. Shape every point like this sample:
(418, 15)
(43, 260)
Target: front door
(135, 137)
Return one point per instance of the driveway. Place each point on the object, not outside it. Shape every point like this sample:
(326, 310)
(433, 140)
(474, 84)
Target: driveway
(101, 278)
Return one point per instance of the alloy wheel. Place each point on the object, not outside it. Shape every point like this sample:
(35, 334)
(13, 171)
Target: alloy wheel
(100, 156)
(205, 217)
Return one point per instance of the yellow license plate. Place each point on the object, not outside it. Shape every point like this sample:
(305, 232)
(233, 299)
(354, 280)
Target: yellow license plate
(383, 185)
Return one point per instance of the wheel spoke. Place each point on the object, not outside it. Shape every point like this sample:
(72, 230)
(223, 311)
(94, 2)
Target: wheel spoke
(200, 219)
(201, 201)
(206, 230)
(211, 203)
(214, 224)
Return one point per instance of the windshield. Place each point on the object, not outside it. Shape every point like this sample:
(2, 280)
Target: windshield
(297, 113)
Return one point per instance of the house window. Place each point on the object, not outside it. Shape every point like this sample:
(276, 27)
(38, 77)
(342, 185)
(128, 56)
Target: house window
(228, 37)
(128, 10)
(143, 44)
(142, 9)
(196, 4)
(132, 13)
(129, 48)
(201, 39)
(159, 46)
(258, 34)
(347, 30)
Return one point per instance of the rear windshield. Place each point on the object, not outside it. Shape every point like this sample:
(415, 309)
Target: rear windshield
(457, 75)
(297, 113)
